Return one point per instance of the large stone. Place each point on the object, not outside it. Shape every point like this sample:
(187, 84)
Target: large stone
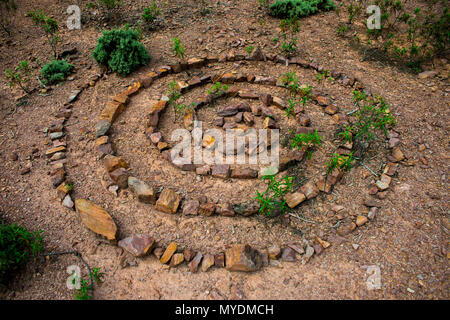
(137, 245)
(112, 111)
(294, 199)
(188, 254)
(120, 177)
(246, 208)
(208, 262)
(257, 55)
(242, 258)
(112, 163)
(279, 103)
(221, 171)
(96, 218)
(52, 151)
(168, 201)
(244, 173)
(170, 250)
(266, 99)
(193, 265)
(143, 191)
(310, 190)
(288, 254)
(228, 111)
(190, 207)
(58, 177)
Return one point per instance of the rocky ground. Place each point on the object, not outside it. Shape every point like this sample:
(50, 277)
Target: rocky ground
(408, 239)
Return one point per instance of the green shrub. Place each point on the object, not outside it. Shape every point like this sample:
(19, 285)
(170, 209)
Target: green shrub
(272, 200)
(151, 12)
(56, 71)
(19, 76)
(121, 50)
(299, 8)
(17, 245)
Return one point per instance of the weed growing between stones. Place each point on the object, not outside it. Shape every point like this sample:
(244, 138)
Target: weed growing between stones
(272, 201)
(217, 89)
(340, 161)
(121, 50)
(49, 25)
(310, 141)
(19, 76)
(17, 245)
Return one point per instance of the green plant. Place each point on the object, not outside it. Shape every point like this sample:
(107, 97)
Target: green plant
(17, 245)
(90, 5)
(340, 161)
(291, 82)
(289, 109)
(151, 13)
(289, 47)
(86, 287)
(324, 75)
(346, 135)
(56, 71)
(305, 94)
(49, 25)
(97, 275)
(217, 89)
(6, 7)
(19, 76)
(310, 141)
(177, 48)
(249, 49)
(264, 4)
(299, 8)
(272, 201)
(121, 50)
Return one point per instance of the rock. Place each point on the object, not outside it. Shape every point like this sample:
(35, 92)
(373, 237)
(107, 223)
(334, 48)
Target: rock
(268, 171)
(244, 173)
(153, 119)
(156, 137)
(112, 111)
(248, 95)
(112, 163)
(322, 101)
(120, 177)
(101, 140)
(288, 254)
(303, 119)
(96, 218)
(176, 260)
(246, 208)
(274, 252)
(266, 99)
(372, 213)
(73, 95)
(168, 201)
(346, 228)
(138, 245)
(63, 189)
(294, 199)
(158, 252)
(355, 246)
(397, 154)
(279, 103)
(106, 149)
(188, 254)
(242, 258)
(337, 240)
(248, 118)
(67, 202)
(427, 74)
(309, 253)
(225, 209)
(238, 117)
(297, 248)
(360, 220)
(208, 262)
(310, 190)
(190, 207)
(390, 169)
(318, 249)
(384, 182)
(393, 142)
(168, 253)
(193, 265)
(162, 146)
(204, 170)
(257, 55)
(208, 142)
(219, 260)
(228, 111)
(102, 127)
(207, 209)
(331, 109)
(370, 202)
(269, 123)
(56, 135)
(221, 171)
(58, 177)
(52, 151)
(323, 243)
(143, 191)
(189, 119)
(121, 98)
(219, 121)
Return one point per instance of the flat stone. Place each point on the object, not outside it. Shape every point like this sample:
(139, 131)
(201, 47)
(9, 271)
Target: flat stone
(120, 177)
(257, 55)
(52, 151)
(158, 107)
(242, 258)
(244, 173)
(203, 170)
(279, 103)
(297, 248)
(56, 135)
(63, 189)
(190, 207)
(225, 209)
(266, 99)
(153, 119)
(156, 137)
(248, 118)
(393, 142)
(106, 149)
(221, 171)
(96, 218)
(310, 190)
(121, 98)
(390, 169)
(168, 201)
(170, 250)
(248, 95)
(102, 127)
(294, 199)
(101, 140)
(207, 209)
(323, 243)
(346, 228)
(427, 74)
(112, 163)
(383, 183)
(138, 245)
(112, 111)
(370, 202)
(176, 260)
(142, 190)
(228, 111)
(193, 265)
(162, 146)
(331, 109)
(219, 260)
(58, 177)
(238, 117)
(208, 262)
(288, 254)
(397, 154)
(303, 119)
(246, 208)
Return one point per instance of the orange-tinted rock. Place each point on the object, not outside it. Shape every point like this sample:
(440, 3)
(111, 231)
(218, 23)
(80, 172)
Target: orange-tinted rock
(112, 111)
(242, 258)
(219, 260)
(189, 254)
(137, 245)
(207, 209)
(112, 163)
(294, 199)
(168, 201)
(120, 177)
(176, 260)
(171, 249)
(96, 218)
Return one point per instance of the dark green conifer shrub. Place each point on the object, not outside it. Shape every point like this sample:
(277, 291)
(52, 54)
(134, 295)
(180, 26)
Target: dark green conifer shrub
(121, 50)
(299, 8)
(56, 71)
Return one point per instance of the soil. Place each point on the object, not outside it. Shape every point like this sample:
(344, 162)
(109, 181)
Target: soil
(408, 240)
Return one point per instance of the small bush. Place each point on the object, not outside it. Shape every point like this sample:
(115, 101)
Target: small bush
(177, 48)
(17, 245)
(19, 76)
(151, 12)
(121, 50)
(272, 202)
(56, 71)
(299, 8)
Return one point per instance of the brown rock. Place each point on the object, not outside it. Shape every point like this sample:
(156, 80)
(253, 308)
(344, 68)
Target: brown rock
(248, 95)
(207, 209)
(112, 163)
(176, 260)
(101, 140)
(219, 260)
(269, 123)
(370, 202)
(158, 252)
(288, 254)
(63, 189)
(208, 262)
(397, 154)
(322, 101)
(303, 119)
(246, 208)
(219, 121)
(266, 99)
(137, 245)
(189, 119)
(190, 207)
(318, 249)
(112, 111)
(242, 258)
(225, 209)
(171, 249)
(52, 151)
(331, 109)
(323, 243)
(96, 218)
(162, 146)
(121, 98)
(360, 220)
(204, 170)
(58, 177)
(244, 173)
(346, 228)
(143, 191)
(221, 171)
(294, 199)
(279, 103)
(120, 177)
(193, 265)
(156, 137)
(274, 252)
(106, 149)
(168, 201)
(310, 190)
(297, 248)
(248, 118)
(153, 119)
(188, 254)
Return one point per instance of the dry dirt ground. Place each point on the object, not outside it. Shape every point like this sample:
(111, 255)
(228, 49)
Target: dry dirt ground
(408, 241)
